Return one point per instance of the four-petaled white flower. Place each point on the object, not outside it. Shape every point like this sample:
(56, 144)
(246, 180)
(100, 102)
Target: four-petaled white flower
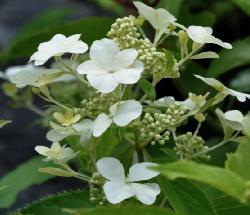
(232, 119)
(223, 89)
(159, 18)
(121, 113)
(204, 35)
(57, 46)
(108, 66)
(118, 187)
(56, 153)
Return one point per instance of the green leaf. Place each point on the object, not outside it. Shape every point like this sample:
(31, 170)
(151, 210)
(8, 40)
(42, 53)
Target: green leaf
(246, 125)
(244, 5)
(231, 59)
(90, 28)
(239, 161)
(54, 204)
(52, 17)
(172, 6)
(24, 176)
(241, 81)
(219, 178)
(204, 55)
(4, 122)
(124, 211)
(225, 205)
(147, 88)
(107, 144)
(185, 198)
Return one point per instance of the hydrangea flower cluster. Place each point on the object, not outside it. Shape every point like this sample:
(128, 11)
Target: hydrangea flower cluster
(112, 108)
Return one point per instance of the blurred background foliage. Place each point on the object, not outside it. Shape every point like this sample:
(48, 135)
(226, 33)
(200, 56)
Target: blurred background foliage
(230, 20)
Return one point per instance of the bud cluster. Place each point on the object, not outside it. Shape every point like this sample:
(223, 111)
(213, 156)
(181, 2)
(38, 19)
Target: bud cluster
(189, 146)
(97, 103)
(176, 111)
(96, 192)
(125, 33)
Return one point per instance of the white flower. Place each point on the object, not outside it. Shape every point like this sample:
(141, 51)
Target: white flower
(232, 119)
(24, 75)
(121, 113)
(223, 89)
(57, 46)
(118, 187)
(203, 35)
(108, 66)
(158, 18)
(56, 152)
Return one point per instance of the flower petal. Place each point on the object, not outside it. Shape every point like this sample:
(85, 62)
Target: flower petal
(42, 150)
(56, 136)
(130, 75)
(212, 82)
(141, 172)
(111, 169)
(158, 18)
(241, 97)
(103, 52)
(125, 112)
(146, 193)
(125, 58)
(91, 68)
(101, 124)
(117, 191)
(203, 35)
(104, 83)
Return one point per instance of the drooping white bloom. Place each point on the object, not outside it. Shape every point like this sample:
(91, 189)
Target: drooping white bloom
(29, 75)
(223, 89)
(57, 46)
(232, 119)
(24, 75)
(56, 152)
(204, 35)
(118, 187)
(158, 18)
(108, 66)
(121, 113)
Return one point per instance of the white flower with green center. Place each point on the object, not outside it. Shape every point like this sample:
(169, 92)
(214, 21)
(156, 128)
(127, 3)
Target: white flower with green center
(58, 46)
(118, 187)
(109, 66)
(56, 153)
(204, 35)
(121, 113)
(223, 89)
(232, 119)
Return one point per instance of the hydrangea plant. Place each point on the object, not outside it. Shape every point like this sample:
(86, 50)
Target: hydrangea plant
(114, 135)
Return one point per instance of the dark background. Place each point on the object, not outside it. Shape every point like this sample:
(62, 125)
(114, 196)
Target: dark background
(17, 140)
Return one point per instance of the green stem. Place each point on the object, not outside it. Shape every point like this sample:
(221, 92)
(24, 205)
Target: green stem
(72, 71)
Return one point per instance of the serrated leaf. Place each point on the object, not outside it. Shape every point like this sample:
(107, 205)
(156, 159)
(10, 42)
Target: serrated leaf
(54, 204)
(216, 177)
(147, 88)
(124, 211)
(90, 28)
(239, 162)
(205, 55)
(231, 59)
(24, 176)
(185, 198)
